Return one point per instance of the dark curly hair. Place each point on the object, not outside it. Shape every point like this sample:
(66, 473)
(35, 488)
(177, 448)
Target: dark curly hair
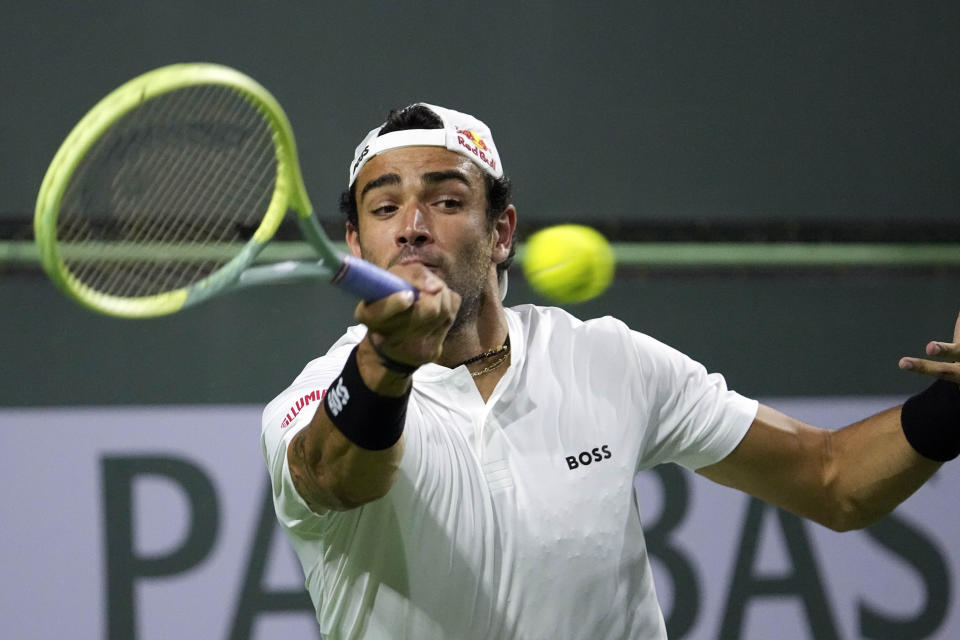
(499, 190)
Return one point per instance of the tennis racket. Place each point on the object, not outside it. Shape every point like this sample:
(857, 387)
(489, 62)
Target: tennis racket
(164, 194)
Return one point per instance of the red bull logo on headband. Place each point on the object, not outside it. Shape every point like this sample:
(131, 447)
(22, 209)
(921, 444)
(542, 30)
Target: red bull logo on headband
(474, 138)
(461, 133)
(473, 143)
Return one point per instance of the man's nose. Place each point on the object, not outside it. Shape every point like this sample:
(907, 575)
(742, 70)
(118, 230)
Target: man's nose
(415, 229)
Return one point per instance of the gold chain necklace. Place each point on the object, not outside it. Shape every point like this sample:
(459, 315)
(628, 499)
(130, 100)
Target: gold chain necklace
(504, 349)
(489, 368)
(486, 354)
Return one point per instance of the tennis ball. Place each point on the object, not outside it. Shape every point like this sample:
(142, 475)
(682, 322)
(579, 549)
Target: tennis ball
(568, 263)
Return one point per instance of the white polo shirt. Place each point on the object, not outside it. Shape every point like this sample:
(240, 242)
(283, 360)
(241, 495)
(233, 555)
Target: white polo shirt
(514, 518)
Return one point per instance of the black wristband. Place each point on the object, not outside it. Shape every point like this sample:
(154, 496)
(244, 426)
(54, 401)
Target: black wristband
(931, 421)
(367, 419)
(393, 365)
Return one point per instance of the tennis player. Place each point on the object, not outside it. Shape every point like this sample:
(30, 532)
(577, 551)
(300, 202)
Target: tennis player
(452, 468)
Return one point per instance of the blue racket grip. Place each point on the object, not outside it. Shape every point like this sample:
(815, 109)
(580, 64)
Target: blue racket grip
(369, 281)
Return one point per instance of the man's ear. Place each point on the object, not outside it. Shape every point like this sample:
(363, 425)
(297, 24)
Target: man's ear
(353, 240)
(503, 229)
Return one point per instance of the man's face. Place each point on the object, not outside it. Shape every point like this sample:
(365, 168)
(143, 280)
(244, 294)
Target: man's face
(427, 205)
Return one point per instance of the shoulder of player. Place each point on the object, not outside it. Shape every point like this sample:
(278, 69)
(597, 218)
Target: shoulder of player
(603, 339)
(554, 323)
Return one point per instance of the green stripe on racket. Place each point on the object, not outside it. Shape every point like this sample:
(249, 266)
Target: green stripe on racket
(165, 192)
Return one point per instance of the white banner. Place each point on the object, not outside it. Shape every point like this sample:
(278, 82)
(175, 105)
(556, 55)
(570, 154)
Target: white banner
(155, 523)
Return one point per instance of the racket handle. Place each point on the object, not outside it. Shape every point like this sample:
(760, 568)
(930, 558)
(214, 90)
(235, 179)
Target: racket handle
(369, 281)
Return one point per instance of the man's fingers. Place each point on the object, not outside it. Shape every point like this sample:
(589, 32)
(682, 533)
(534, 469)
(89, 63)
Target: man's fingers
(389, 307)
(419, 276)
(944, 370)
(949, 352)
(943, 349)
(411, 330)
(437, 312)
(448, 304)
(424, 279)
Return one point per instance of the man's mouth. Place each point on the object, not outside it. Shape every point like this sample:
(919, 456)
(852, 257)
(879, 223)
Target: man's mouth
(415, 258)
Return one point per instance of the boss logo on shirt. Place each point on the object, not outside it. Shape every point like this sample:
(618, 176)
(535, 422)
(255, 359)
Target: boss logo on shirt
(585, 458)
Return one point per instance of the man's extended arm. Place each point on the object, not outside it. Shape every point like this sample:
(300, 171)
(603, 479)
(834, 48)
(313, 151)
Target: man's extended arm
(328, 468)
(843, 479)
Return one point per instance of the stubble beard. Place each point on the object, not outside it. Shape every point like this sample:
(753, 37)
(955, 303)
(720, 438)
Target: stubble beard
(468, 279)
(470, 282)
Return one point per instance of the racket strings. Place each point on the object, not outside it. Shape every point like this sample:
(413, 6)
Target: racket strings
(174, 188)
(132, 165)
(171, 218)
(169, 213)
(155, 221)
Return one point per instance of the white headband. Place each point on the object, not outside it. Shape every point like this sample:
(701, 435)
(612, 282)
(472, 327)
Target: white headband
(461, 133)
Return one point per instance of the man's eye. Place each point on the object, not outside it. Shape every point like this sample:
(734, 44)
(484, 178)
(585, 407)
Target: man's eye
(384, 210)
(448, 203)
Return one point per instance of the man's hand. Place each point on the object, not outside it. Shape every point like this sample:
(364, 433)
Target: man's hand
(936, 368)
(407, 330)
(328, 469)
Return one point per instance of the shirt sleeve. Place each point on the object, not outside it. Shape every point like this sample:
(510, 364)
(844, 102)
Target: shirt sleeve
(692, 418)
(284, 417)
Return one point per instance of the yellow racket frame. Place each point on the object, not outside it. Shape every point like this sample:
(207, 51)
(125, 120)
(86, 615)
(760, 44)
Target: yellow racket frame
(289, 191)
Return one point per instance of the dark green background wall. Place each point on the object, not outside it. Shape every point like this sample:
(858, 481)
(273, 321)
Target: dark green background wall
(630, 110)
(612, 113)
(769, 336)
